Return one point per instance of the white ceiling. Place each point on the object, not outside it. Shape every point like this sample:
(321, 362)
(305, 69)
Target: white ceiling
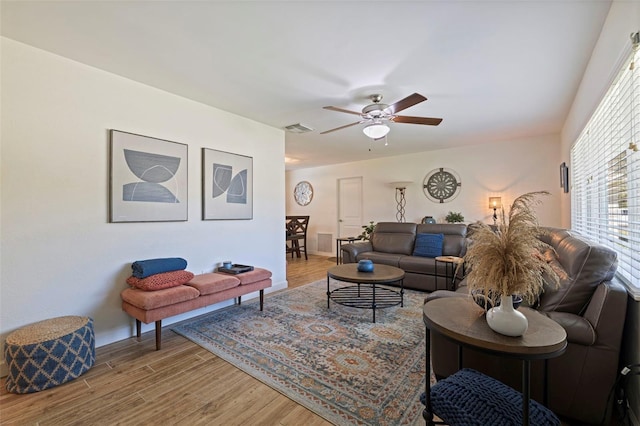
(493, 70)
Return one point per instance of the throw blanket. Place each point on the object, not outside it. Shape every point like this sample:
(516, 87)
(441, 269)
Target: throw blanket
(145, 268)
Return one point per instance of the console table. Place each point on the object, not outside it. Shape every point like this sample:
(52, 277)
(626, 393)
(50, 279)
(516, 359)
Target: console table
(464, 322)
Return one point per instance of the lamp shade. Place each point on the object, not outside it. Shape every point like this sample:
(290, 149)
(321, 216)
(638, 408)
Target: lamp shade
(376, 130)
(495, 202)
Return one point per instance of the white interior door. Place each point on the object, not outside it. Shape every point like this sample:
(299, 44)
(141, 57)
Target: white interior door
(350, 207)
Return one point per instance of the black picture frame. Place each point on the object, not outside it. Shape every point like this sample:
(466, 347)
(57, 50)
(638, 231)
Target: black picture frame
(564, 177)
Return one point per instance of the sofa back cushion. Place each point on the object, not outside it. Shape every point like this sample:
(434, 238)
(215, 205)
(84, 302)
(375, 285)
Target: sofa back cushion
(553, 236)
(428, 245)
(392, 237)
(455, 236)
(581, 265)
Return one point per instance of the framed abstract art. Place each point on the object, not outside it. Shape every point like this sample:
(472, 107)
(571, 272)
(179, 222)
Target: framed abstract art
(227, 185)
(148, 179)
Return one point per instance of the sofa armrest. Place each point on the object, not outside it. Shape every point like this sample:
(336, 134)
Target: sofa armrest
(352, 250)
(607, 311)
(603, 320)
(579, 330)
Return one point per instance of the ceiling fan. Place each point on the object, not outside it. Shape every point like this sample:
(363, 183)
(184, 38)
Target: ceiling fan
(377, 114)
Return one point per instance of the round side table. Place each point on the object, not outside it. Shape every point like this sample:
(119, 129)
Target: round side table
(451, 266)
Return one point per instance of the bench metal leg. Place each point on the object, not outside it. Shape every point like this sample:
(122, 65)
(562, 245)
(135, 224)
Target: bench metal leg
(261, 299)
(138, 329)
(158, 334)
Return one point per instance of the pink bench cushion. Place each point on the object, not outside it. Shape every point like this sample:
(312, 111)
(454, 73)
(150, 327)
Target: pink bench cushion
(148, 300)
(213, 283)
(258, 274)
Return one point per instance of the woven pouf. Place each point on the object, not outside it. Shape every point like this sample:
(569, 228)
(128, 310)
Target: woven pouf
(49, 353)
(471, 398)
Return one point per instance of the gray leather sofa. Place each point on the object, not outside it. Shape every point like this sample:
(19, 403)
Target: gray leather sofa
(589, 306)
(393, 244)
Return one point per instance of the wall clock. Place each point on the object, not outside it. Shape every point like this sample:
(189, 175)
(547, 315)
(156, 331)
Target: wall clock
(303, 193)
(441, 185)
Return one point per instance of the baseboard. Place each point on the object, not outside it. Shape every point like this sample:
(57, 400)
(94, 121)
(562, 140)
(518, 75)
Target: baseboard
(277, 286)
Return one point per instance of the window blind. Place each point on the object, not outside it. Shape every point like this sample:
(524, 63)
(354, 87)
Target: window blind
(605, 172)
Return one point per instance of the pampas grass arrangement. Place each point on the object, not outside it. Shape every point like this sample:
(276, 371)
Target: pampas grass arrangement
(507, 261)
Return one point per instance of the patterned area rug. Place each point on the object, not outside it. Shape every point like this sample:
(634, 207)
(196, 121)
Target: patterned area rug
(335, 361)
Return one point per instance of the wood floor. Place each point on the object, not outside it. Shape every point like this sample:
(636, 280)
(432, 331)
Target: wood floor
(131, 383)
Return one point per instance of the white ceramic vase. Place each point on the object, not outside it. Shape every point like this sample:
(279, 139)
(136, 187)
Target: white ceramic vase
(505, 320)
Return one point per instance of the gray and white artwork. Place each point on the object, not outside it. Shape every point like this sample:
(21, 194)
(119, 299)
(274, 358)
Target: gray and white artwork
(227, 190)
(223, 182)
(148, 181)
(152, 169)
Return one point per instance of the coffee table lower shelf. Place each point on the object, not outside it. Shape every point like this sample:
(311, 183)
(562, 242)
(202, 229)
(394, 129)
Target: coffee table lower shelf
(366, 296)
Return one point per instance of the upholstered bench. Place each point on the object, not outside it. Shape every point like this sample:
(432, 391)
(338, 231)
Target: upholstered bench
(49, 353)
(203, 290)
(470, 398)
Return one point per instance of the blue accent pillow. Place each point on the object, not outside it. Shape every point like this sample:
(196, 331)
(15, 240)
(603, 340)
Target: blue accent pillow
(428, 245)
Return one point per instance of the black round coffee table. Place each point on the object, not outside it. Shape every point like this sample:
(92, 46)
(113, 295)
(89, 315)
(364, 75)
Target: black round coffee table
(370, 295)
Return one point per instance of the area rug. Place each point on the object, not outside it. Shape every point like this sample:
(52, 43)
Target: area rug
(334, 361)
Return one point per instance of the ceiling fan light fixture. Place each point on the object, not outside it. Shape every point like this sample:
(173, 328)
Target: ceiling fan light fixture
(376, 130)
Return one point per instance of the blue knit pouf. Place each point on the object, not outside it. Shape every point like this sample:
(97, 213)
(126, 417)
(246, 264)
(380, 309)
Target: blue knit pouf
(49, 353)
(471, 398)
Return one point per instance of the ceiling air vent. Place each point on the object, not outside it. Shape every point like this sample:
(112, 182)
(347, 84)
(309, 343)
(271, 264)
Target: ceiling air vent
(298, 128)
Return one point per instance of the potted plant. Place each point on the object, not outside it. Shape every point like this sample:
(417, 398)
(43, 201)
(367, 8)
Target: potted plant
(504, 262)
(367, 231)
(453, 217)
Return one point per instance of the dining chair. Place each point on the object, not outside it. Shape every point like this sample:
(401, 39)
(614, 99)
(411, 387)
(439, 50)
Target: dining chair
(296, 233)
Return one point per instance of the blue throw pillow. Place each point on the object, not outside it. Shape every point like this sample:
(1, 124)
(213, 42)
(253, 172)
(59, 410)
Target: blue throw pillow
(428, 245)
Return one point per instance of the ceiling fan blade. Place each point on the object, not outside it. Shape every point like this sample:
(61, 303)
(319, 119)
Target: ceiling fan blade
(405, 103)
(332, 108)
(342, 127)
(417, 120)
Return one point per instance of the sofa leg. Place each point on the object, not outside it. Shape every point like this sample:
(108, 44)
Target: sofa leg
(158, 334)
(138, 329)
(261, 299)
(239, 300)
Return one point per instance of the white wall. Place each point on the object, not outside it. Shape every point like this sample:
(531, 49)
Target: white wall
(60, 256)
(505, 169)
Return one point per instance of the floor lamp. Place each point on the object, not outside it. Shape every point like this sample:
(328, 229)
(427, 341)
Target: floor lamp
(400, 199)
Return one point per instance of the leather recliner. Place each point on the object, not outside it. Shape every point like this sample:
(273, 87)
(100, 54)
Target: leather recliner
(588, 305)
